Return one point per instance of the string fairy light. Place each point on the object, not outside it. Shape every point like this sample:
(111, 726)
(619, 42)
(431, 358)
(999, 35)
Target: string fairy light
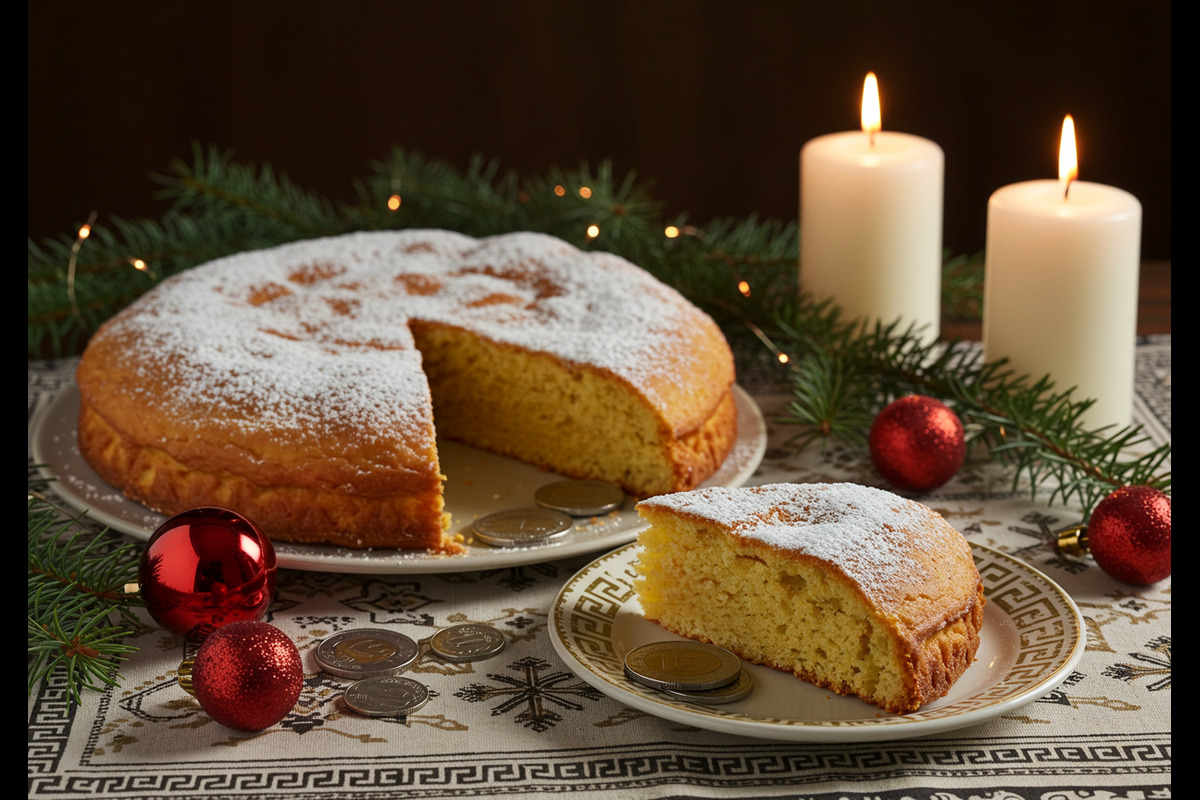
(394, 200)
(593, 231)
(142, 266)
(674, 232)
(781, 356)
(84, 232)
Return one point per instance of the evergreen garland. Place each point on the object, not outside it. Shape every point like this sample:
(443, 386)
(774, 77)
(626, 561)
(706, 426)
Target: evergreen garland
(840, 372)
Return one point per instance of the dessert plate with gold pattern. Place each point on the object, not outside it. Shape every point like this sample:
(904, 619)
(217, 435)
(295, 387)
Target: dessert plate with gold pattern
(477, 484)
(1032, 637)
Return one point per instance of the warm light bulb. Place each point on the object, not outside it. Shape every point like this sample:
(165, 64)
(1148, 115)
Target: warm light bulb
(744, 288)
(671, 232)
(1068, 158)
(138, 264)
(85, 231)
(559, 190)
(783, 358)
(394, 202)
(593, 231)
(872, 120)
(585, 192)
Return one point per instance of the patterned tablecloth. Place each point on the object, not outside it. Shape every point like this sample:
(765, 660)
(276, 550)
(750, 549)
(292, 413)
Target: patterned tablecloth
(524, 723)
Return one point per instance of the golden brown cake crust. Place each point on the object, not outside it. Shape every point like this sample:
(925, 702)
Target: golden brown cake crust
(911, 573)
(288, 383)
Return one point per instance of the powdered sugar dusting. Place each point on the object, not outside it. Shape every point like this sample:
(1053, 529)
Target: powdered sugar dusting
(310, 336)
(870, 533)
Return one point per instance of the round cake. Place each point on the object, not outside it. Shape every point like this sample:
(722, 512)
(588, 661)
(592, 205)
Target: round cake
(304, 386)
(849, 587)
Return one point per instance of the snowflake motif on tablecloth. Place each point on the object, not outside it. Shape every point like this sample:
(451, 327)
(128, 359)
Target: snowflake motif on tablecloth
(532, 693)
(1157, 666)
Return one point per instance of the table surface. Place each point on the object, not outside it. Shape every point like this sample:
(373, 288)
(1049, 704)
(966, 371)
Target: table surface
(522, 723)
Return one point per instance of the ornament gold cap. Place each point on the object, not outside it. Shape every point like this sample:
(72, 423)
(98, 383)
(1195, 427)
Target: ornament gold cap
(1073, 541)
(184, 676)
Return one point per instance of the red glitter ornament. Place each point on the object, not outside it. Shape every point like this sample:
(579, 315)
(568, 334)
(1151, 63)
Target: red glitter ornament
(1129, 535)
(205, 568)
(917, 443)
(247, 675)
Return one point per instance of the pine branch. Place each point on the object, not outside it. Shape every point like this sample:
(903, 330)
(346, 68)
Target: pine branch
(267, 206)
(79, 611)
(849, 371)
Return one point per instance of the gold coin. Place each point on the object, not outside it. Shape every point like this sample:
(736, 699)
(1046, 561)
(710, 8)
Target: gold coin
(366, 653)
(684, 665)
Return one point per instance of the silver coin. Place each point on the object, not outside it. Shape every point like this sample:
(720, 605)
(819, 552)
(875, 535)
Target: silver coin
(685, 665)
(518, 527)
(467, 642)
(392, 696)
(731, 693)
(580, 498)
(366, 653)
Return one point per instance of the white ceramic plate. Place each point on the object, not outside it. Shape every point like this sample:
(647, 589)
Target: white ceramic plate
(477, 483)
(1032, 637)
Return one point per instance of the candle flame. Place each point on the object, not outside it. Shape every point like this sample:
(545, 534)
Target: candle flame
(1068, 159)
(871, 118)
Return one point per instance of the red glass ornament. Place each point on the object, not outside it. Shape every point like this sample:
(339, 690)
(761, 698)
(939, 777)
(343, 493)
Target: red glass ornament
(1129, 535)
(206, 568)
(247, 675)
(917, 443)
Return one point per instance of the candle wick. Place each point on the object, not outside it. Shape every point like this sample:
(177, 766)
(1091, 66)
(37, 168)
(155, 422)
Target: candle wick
(871, 138)
(1067, 189)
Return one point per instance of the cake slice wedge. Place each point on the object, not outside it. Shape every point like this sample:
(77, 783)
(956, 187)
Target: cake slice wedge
(848, 587)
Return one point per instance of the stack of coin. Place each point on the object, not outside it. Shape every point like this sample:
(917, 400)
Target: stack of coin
(687, 670)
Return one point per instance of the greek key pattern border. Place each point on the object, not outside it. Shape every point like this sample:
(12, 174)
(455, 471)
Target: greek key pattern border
(639, 766)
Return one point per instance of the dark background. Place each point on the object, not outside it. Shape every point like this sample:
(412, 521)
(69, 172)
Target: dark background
(711, 101)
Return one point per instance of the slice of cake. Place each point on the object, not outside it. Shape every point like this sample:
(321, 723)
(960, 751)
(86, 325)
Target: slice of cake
(852, 588)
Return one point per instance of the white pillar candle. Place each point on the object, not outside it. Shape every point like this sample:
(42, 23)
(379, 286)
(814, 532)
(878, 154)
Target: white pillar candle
(1061, 286)
(871, 222)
